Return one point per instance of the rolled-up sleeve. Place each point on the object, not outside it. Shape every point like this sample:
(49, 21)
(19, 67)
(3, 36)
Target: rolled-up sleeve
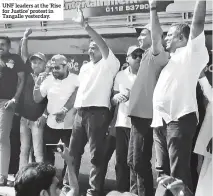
(197, 44)
(161, 59)
(112, 63)
(197, 51)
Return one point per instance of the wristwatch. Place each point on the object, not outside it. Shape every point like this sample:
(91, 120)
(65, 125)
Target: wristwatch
(65, 110)
(44, 115)
(14, 100)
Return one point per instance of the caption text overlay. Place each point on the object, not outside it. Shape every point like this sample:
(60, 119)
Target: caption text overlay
(32, 10)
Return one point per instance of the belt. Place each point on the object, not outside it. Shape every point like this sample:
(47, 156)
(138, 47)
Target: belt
(92, 108)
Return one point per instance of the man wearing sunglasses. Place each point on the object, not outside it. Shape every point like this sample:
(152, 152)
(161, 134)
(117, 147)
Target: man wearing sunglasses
(140, 106)
(122, 85)
(58, 88)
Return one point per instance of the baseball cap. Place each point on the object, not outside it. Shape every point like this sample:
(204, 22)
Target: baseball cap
(39, 55)
(59, 59)
(139, 29)
(131, 49)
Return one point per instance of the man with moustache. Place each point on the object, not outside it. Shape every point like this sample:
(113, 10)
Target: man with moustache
(140, 106)
(174, 98)
(11, 85)
(58, 87)
(92, 103)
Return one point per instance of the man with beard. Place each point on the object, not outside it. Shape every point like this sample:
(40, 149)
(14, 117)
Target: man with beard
(58, 88)
(11, 85)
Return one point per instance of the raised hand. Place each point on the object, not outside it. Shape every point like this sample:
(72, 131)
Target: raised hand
(27, 32)
(152, 3)
(80, 17)
(41, 78)
(65, 153)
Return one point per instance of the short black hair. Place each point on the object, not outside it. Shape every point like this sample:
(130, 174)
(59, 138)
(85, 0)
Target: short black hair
(182, 28)
(6, 38)
(34, 178)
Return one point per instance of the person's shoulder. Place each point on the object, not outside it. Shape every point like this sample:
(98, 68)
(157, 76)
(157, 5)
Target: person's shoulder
(85, 66)
(123, 72)
(15, 57)
(72, 76)
(49, 78)
(112, 55)
(121, 75)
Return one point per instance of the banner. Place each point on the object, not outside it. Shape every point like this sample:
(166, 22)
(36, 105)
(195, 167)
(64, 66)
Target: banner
(20, 10)
(92, 8)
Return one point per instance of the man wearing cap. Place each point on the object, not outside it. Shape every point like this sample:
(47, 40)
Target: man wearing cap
(58, 88)
(121, 90)
(11, 85)
(32, 114)
(140, 106)
(92, 103)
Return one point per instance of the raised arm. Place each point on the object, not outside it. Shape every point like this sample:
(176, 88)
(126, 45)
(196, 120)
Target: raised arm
(92, 33)
(198, 20)
(156, 31)
(73, 182)
(24, 45)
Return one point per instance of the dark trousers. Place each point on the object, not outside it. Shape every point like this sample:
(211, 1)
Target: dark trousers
(139, 157)
(173, 145)
(122, 169)
(15, 145)
(110, 146)
(91, 124)
(52, 136)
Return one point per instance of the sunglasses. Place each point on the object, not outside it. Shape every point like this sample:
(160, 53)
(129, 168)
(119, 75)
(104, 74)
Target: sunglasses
(135, 56)
(57, 67)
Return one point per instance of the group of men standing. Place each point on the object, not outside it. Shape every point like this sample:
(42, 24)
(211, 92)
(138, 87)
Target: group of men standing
(155, 97)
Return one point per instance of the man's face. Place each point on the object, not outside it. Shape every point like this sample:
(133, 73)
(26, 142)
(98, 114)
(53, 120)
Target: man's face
(172, 39)
(145, 39)
(59, 71)
(54, 188)
(94, 52)
(134, 59)
(37, 65)
(4, 47)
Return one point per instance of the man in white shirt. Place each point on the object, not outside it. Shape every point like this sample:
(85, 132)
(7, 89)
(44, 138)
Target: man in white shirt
(92, 103)
(58, 88)
(174, 99)
(122, 87)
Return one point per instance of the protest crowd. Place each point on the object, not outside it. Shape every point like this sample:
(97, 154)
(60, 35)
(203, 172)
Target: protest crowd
(151, 102)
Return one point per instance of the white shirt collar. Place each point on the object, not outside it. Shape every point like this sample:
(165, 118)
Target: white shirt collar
(178, 50)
